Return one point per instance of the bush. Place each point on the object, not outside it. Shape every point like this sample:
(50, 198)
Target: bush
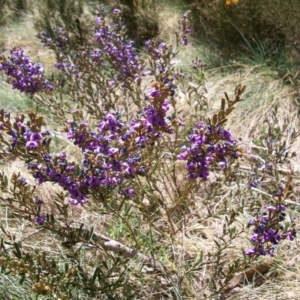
(65, 15)
(163, 181)
(140, 19)
(264, 29)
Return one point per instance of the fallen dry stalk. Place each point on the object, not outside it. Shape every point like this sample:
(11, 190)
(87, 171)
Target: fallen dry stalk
(117, 247)
(255, 275)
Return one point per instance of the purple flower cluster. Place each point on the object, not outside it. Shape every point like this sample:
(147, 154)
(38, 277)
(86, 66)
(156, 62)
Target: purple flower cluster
(23, 74)
(76, 64)
(156, 51)
(60, 171)
(198, 64)
(112, 154)
(268, 231)
(159, 53)
(23, 135)
(22, 180)
(155, 112)
(70, 63)
(208, 145)
(114, 49)
(184, 27)
(59, 41)
(32, 135)
(120, 52)
(254, 181)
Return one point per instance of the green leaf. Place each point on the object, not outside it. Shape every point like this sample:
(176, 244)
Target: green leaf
(215, 119)
(18, 252)
(223, 104)
(96, 272)
(218, 245)
(5, 180)
(232, 232)
(77, 170)
(91, 233)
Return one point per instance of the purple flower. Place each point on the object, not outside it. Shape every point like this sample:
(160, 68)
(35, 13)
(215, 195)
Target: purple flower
(280, 208)
(153, 92)
(78, 202)
(14, 139)
(40, 220)
(39, 201)
(184, 155)
(20, 124)
(116, 11)
(70, 168)
(227, 136)
(113, 151)
(185, 30)
(256, 252)
(94, 182)
(31, 145)
(274, 208)
(109, 123)
(59, 40)
(128, 191)
(272, 236)
(36, 136)
(291, 235)
(22, 180)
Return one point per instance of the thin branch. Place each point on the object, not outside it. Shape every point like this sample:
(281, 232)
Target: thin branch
(31, 234)
(117, 247)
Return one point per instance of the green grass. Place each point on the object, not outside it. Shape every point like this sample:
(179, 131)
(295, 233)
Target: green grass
(12, 290)
(13, 101)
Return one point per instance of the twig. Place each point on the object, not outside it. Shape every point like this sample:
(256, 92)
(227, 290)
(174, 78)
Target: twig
(286, 171)
(224, 196)
(31, 234)
(117, 247)
(262, 192)
(291, 202)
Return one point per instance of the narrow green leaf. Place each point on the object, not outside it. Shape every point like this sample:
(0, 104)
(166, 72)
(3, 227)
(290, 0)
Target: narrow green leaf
(223, 104)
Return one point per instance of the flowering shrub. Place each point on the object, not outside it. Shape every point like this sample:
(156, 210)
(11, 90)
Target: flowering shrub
(141, 169)
(230, 2)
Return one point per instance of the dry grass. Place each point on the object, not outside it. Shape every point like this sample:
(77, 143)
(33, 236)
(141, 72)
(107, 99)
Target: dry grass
(266, 96)
(22, 34)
